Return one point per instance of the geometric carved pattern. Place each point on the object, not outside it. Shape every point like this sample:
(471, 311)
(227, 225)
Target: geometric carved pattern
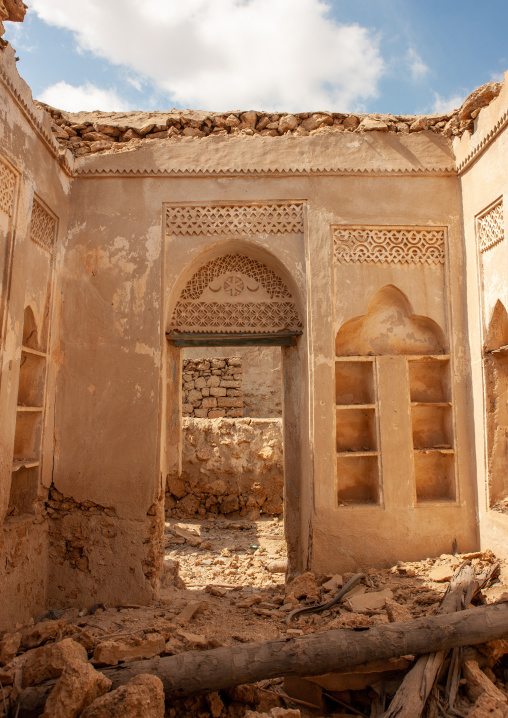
(235, 293)
(42, 227)
(235, 263)
(7, 186)
(490, 227)
(391, 245)
(273, 218)
(253, 317)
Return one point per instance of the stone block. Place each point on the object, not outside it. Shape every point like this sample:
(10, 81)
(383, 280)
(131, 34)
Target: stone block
(233, 392)
(49, 661)
(234, 413)
(209, 402)
(216, 413)
(78, 686)
(187, 408)
(130, 649)
(143, 696)
(193, 395)
(188, 385)
(230, 384)
(213, 381)
(219, 391)
(205, 391)
(200, 382)
(201, 413)
(230, 402)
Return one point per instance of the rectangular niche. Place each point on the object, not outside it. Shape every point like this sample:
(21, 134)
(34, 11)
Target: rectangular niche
(24, 487)
(358, 479)
(356, 430)
(32, 376)
(354, 382)
(432, 426)
(27, 440)
(434, 476)
(429, 380)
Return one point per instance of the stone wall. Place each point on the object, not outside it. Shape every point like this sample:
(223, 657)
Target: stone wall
(261, 378)
(229, 466)
(212, 388)
(89, 132)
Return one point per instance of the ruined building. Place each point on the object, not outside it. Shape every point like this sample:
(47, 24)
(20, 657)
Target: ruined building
(371, 249)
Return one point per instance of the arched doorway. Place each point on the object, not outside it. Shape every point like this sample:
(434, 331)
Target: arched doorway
(235, 299)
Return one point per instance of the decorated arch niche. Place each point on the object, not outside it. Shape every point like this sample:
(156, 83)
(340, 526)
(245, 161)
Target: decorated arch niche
(235, 294)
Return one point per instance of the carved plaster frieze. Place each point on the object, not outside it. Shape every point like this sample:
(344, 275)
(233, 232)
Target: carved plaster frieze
(42, 227)
(490, 227)
(390, 245)
(240, 220)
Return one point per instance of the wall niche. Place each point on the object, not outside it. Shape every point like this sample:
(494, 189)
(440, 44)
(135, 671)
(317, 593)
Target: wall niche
(389, 328)
(29, 420)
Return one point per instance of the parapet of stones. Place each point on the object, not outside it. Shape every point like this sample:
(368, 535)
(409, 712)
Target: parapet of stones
(89, 132)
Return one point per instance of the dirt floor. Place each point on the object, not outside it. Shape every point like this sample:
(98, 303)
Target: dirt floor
(226, 585)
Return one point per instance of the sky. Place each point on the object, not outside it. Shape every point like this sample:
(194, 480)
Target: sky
(398, 56)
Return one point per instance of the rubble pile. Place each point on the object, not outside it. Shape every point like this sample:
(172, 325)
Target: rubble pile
(88, 132)
(230, 589)
(212, 388)
(229, 466)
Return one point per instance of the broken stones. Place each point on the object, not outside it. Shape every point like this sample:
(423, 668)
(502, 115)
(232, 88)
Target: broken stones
(141, 697)
(304, 586)
(131, 649)
(369, 124)
(49, 661)
(441, 573)
(78, 686)
(373, 601)
(9, 646)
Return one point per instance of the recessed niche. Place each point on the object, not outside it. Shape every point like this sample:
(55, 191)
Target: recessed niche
(30, 334)
(429, 380)
(27, 439)
(24, 486)
(432, 426)
(356, 430)
(354, 382)
(434, 476)
(357, 479)
(31, 379)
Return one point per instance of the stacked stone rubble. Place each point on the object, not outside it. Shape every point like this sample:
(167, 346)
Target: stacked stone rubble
(212, 388)
(88, 132)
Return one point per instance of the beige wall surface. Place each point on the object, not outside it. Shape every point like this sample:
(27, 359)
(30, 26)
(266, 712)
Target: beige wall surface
(482, 159)
(33, 219)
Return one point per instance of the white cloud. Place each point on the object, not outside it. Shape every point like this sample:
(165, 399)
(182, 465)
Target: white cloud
(230, 54)
(443, 105)
(83, 97)
(417, 66)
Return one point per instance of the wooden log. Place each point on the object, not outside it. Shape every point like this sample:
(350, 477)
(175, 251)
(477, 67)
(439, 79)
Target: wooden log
(478, 683)
(411, 697)
(337, 650)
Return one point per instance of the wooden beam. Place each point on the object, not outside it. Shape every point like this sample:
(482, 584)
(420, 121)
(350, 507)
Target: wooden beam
(275, 339)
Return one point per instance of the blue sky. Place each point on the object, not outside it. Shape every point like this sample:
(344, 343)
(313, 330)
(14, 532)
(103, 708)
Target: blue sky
(399, 56)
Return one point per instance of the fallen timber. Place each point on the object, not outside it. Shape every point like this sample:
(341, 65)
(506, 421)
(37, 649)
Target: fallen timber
(332, 651)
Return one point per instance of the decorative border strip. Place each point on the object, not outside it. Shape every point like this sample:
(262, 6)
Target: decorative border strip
(234, 172)
(490, 226)
(237, 219)
(484, 143)
(388, 245)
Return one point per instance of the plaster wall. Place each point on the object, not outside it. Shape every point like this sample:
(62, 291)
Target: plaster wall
(33, 219)
(482, 158)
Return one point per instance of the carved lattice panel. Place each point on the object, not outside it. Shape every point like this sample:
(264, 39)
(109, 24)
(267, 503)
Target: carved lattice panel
(238, 220)
(239, 264)
(235, 293)
(390, 245)
(490, 227)
(42, 228)
(7, 188)
(251, 317)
